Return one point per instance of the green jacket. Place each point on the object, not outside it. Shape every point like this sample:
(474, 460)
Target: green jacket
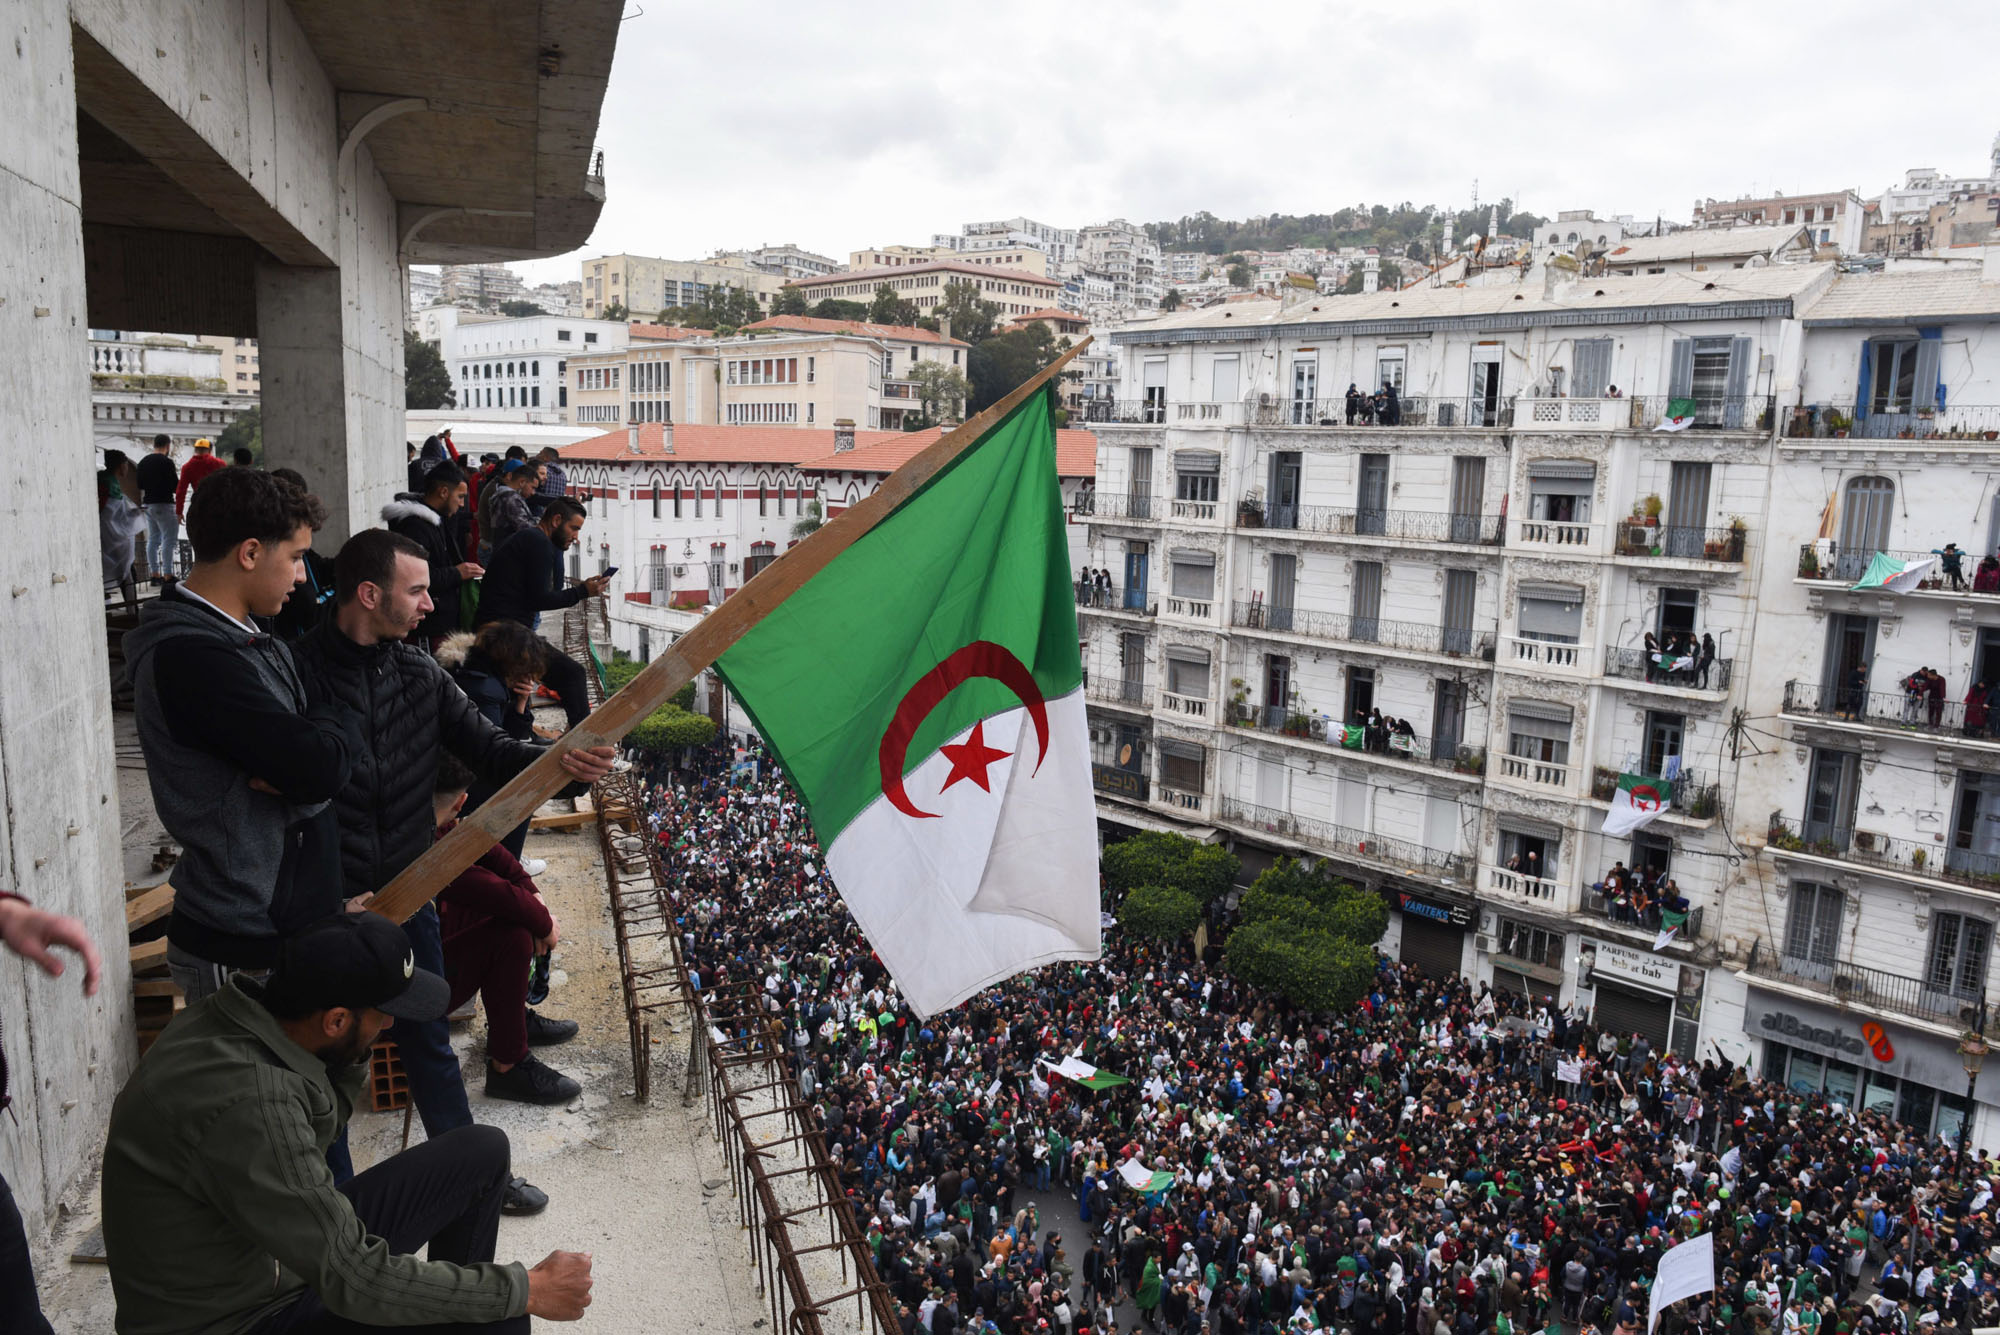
(219, 1206)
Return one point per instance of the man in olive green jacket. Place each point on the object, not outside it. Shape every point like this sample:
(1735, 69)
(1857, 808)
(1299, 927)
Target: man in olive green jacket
(220, 1214)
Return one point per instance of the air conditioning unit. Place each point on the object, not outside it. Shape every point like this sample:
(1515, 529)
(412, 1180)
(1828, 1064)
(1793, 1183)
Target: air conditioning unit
(1266, 400)
(1482, 943)
(1638, 535)
(1865, 840)
(1844, 985)
(679, 571)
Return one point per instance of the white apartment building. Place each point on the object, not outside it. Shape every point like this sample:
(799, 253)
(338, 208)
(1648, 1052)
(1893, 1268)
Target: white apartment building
(786, 261)
(478, 286)
(1571, 228)
(1124, 254)
(1058, 243)
(1014, 291)
(425, 284)
(518, 366)
(1706, 249)
(145, 384)
(1488, 570)
(645, 286)
(1186, 266)
(1833, 218)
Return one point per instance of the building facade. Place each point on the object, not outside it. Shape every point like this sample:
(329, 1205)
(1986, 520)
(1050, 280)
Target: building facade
(478, 286)
(1014, 291)
(645, 286)
(519, 366)
(143, 385)
(1834, 218)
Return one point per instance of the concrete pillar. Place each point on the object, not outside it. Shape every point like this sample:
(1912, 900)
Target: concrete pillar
(58, 785)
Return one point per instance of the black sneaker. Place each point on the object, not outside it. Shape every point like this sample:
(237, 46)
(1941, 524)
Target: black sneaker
(544, 1032)
(528, 1081)
(523, 1197)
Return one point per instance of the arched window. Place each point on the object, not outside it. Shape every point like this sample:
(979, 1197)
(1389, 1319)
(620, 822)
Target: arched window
(1572, 238)
(658, 486)
(677, 497)
(763, 496)
(1864, 523)
(697, 496)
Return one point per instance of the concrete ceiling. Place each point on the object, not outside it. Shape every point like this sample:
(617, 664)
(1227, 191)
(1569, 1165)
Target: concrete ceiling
(514, 93)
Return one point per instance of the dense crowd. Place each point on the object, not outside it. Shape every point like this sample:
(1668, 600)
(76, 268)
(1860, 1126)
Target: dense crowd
(1415, 1167)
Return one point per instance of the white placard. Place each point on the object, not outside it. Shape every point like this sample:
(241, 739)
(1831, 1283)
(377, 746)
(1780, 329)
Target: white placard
(1685, 1271)
(1569, 1070)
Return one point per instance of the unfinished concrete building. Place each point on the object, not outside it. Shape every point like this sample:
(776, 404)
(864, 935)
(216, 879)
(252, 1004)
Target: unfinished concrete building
(249, 168)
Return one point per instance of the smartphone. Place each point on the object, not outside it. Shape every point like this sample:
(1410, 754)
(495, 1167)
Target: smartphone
(610, 571)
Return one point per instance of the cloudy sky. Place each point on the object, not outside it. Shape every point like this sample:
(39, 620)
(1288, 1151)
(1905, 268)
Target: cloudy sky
(840, 126)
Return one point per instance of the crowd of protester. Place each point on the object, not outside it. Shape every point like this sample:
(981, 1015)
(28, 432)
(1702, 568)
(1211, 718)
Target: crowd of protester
(1415, 1167)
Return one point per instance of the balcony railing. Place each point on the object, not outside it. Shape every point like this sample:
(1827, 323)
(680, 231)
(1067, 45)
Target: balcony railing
(1594, 901)
(1677, 542)
(1638, 665)
(1539, 889)
(1344, 521)
(1582, 537)
(1643, 412)
(1126, 412)
(1869, 989)
(1539, 773)
(1420, 410)
(1198, 512)
(1189, 706)
(1570, 660)
(1574, 414)
(1895, 422)
(1115, 505)
(1183, 798)
(1217, 414)
(1341, 840)
(1133, 598)
(1413, 636)
(1929, 858)
(1194, 609)
(1889, 709)
(1827, 562)
(1686, 792)
(1413, 747)
(1119, 782)
(1118, 691)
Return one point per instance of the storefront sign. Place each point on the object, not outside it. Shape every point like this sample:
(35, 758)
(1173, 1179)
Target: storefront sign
(1435, 910)
(1865, 1039)
(1118, 782)
(1621, 964)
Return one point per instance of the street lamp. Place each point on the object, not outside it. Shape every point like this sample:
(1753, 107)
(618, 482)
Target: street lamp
(1972, 1049)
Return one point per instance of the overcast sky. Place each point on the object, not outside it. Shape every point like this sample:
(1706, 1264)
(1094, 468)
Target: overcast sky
(840, 126)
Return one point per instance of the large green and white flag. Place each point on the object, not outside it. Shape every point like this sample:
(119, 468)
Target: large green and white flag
(1894, 574)
(924, 693)
(1637, 804)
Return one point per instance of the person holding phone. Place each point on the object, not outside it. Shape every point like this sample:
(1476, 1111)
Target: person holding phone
(520, 583)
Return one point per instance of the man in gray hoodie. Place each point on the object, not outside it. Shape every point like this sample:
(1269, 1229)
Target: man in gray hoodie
(243, 769)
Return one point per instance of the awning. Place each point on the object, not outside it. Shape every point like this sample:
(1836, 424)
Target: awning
(1197, 461)
(1558, 469)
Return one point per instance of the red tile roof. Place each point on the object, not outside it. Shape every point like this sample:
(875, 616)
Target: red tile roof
(928, 266)
(885, 452)
(644, 332)
(1049, 313)
(812, 324)
(718, 444)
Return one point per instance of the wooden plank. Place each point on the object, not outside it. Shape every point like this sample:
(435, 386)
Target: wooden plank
(155, 987)
(564, 820)
(149, 908)
(674, 668)
(149, 955)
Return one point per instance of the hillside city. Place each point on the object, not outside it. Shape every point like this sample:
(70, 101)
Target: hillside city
(1541, 675)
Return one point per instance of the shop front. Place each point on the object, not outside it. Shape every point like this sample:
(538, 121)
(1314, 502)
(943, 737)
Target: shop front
(1434, 929)
(1865, 1061)
(1639, 992)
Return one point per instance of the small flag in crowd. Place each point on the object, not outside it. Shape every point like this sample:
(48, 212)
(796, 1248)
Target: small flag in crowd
(924, 694)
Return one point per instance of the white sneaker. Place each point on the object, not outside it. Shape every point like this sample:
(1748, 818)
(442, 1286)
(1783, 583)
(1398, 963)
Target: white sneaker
(534, 866)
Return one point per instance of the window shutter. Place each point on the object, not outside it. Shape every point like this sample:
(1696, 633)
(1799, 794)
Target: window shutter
(1593, 368)
(1924, 394)
(1680, 377)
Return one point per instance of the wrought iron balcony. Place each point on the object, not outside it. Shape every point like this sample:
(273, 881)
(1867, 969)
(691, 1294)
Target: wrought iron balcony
(1677, 542)
(1954, 861)
(1350, 522)
(1413, 747)
(1638, 665)
(1416, 410)
(1339, 840)
(1136, 599)
(1414, 636)
(1094, 504)
(1870, 989)
(1845, 567)
(1895, 710)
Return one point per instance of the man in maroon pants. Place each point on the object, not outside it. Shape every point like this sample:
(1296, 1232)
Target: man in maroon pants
(493, 922)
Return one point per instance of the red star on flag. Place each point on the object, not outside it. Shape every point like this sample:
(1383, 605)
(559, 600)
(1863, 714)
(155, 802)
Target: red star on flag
(971, 758)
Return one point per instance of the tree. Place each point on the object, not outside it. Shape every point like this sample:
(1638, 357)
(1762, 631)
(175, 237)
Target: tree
(889, 308)
(831, 308)
(809, 522)
(518, 308)
(1315, 971)
(1240, 275)
(971, 315)
(616, 311)
(1171, 301)
(1314, 900)
(942, 389)
(246, 432)
(1159, 912)
(1004, 361)
(667, 728)
(1174, 861)
(426, 379)
(791, 301)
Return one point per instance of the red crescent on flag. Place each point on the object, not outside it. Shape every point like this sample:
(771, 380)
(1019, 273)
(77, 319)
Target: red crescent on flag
(1645, 797)
(981, 658)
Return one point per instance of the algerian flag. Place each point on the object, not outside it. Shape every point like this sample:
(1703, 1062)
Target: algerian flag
(1680, 415)
(1638, 802)
(1143, 1179)
(924, 694)
(1670, 926)
(1886, 572)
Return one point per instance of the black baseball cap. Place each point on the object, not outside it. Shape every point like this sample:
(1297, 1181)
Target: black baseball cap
(356, 960)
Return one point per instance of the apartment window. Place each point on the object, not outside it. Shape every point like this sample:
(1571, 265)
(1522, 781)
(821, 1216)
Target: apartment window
(534, 396)
(812, 372)
(1539, 731)
(1389, 368)
(1182, 766)
(562, 335)
(1551, 612)
(761, 555)
(1194, 575)
(1187, 671)
(658, 487)
(1960, 946)
(762, 499)
(1197, 475)
(1864, 520)
(1812, 928)
(677, 500)
(1531, 944)
(1561, 490)
(1664, 739)
(1365, 607)
(1530, 851)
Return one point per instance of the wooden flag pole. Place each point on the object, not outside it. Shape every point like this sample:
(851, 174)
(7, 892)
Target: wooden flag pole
(478, 831)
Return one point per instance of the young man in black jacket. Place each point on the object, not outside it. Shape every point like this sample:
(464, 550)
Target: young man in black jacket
(243, 766)
(411, 714)
(426, 521)
(521, 583)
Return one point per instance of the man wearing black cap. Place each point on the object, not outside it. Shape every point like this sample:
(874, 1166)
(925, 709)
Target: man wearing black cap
(219, 1210)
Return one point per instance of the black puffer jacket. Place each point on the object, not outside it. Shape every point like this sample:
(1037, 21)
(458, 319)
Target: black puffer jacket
(410, 713)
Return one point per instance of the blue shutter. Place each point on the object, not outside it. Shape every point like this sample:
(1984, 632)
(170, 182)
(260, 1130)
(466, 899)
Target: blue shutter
(1861, 398)
(1738, 388)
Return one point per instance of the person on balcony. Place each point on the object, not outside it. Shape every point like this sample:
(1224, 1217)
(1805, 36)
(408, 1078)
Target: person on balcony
(1986, 579)
(1914, 687)
(1354, 401)
(1704, 661)
(1951, 564)
(1934, 697)
(1855, 704)
(1390, 411)
(1975, 709)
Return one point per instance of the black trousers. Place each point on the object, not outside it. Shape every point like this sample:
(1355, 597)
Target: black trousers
(444, 1193)
(565, 677)
(20, 1306)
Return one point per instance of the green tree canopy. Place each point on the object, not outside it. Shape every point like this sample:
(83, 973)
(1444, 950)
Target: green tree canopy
(1159, 912)
(831, 308)
(971, 315)
(616, 311)
(1174, 861)
(941, 388)
(1314, 900)
(426, 379)
(808, 521)
(1172, 300)
(245, 432)
(888, 308)
(1004, 361)
(791, 301)
(1316, 971)
(519, 308)
(1392, 229)
(668, 727)
(1240, 275)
